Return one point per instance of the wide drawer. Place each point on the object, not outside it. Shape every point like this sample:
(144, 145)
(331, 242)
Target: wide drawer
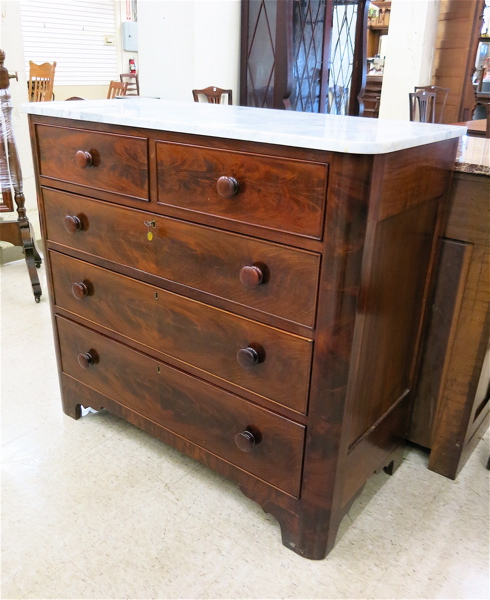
(187, 406)
(262, 359)
(273, 192)
(101, 161)
(216, 262)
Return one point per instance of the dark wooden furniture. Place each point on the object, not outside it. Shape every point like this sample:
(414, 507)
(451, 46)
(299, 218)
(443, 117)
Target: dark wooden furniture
(259, 307)
(458, 33)
(296, 55)
(41, 81)
(378, 25)
(117, 88)
(213, 95)
(422, 106)
(371, 96)
(19, 231)
(132, 79)
(441, 99)
(452, 406)
(477, 128)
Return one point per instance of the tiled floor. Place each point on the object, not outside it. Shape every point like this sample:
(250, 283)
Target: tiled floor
(97, 509)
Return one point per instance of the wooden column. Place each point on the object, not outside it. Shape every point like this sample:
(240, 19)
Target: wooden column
(18, 232)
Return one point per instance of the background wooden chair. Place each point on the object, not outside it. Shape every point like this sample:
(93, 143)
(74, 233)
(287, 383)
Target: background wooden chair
(441, 98)
(133, 83)
(214, 95)
(41, 80)
(16, 231)
(423, 106)
(117, 88)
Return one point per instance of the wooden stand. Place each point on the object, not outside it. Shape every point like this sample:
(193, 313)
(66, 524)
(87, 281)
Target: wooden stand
(17, 232)
(452, 407)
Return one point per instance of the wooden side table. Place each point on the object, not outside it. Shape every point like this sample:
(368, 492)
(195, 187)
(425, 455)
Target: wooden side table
(452, 407)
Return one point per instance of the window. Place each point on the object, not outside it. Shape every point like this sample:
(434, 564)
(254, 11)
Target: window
(75, 35)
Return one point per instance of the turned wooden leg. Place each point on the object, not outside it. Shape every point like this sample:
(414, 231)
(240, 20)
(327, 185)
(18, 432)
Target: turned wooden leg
(14, 181)
(30, 253)
(38, 257)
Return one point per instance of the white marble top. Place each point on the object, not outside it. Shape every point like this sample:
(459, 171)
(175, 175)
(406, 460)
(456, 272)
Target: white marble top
(352, 135)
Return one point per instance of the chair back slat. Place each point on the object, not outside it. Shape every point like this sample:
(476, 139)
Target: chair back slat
(213, 95)
(132, 80)
(441, 98)
(117, 88)
(423, 105)
(41, 81)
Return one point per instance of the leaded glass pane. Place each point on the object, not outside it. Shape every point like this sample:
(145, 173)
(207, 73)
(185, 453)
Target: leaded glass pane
(341, 55)
(308, 35)
(261, 53)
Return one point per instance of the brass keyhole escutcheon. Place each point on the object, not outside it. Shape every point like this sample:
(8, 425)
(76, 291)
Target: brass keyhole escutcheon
(149, 233)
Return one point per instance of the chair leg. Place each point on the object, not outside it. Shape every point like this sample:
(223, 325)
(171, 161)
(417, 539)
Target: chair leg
(33, 259)
(38, 257)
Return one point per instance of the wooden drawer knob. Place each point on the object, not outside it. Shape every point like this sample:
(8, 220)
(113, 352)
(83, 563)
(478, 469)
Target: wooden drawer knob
(249, 357)
(85, 360)
(83, 159)
(245, 441)
(79, 290)
(72, 224)
(251, 277)
(227, 187)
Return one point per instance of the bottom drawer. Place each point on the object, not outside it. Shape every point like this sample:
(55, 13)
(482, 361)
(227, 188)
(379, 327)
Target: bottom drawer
(254, 439)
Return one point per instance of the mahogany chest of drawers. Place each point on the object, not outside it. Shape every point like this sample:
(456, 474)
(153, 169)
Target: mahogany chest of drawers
(257, 306)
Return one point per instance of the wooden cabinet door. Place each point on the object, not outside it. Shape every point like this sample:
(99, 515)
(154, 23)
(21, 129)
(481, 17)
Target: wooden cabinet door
(307, 56)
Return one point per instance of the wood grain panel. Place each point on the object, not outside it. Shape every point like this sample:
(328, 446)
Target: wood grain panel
(189, 407)
(465, 358)
(401, 190)
(454, 57)
(191, 255)
(187, 330)
(452, 270)
(120, 163)
(372, 450)
(393, 305)
(448, 411)
(276, 193)
(469, 209)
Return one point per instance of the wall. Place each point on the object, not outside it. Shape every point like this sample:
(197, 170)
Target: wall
(123, 56)
(188, 44)
(94, 92)
(410, 54)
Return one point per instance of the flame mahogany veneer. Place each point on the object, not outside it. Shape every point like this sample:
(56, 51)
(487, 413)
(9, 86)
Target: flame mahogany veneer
(258, 307)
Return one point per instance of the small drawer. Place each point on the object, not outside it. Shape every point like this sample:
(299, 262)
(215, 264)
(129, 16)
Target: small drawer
(265, 276)
(252, 438)
(261, 359)
(267, 191)
(102, 161)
